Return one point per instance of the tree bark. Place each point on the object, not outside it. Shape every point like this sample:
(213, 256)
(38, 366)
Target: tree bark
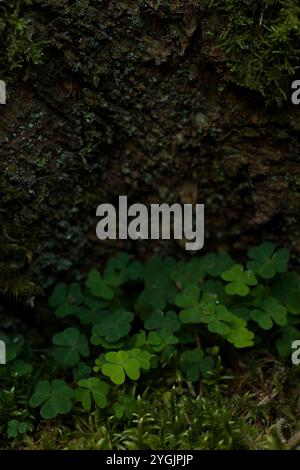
(134, 97)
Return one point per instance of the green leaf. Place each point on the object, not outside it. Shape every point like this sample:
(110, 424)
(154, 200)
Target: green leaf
(214, 288)
(84, 397)
(196, 364)
(102, 287)
(215, 264)
(188, 300)
(82, 371)
(239, 335)
(122, 267)
(187, 273)
(159, 288)
(92, 388)
(158, 341)
(217, 317)
(93, 311)
(15, 428)
(122, 363)
(55, 398)
(270, 311)
(286, 288)
(144, 357)
(126, 406)
(266, 262)
(194, 310)
(239, 280)
(59, 295)
(112, 327)
(72, 345)
(160, 321)
(66, 300)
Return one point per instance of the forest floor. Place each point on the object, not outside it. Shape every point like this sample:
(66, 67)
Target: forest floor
(255, 406)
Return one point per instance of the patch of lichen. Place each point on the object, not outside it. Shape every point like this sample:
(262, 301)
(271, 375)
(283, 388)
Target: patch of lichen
(126, 102)
(261, 39)
(18, 44)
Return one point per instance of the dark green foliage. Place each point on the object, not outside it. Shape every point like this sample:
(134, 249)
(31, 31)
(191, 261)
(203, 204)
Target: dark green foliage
(92, 388)
(15, 428)
(54, 398)
(175, 308)
(209, 310)
(71, 346)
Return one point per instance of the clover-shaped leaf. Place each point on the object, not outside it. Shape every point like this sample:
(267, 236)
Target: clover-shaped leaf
(81, 371)
(119, 364)
(266, 261)
(139, 339)
(159, 340)
(286, 288)
(270, 311)
(55, 398)
(15, 428)
(159, 288)
(217, 321)
(126, 406)
(241, 312)
(103, 286)
(217, 317)
(112, 327)
(187, 273)
(160, 321)
(98, 340)
(196, 364)
(92, 388)
(66, 300)
(195, 310)
(239, 280)
(93, 310)
(72, 344)
(234, 329)
(215, 264)
(188, 300)
(124, 268)
(238, 334)
(215, 288)
(144, 357)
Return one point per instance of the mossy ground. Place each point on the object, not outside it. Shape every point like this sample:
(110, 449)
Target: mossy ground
(256, 407)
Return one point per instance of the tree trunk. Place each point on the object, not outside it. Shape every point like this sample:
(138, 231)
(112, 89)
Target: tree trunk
(134, 97)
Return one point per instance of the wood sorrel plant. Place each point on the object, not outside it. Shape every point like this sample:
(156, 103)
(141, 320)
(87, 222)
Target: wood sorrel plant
(164, 316)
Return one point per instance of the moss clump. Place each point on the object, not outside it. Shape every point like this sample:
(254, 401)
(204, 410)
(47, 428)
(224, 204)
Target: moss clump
(262, 40)
(18, 45)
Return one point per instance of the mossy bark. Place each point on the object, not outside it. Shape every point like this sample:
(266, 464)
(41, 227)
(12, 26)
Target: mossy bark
(135, 98)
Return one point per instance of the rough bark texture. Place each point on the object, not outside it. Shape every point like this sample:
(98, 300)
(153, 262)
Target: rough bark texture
(134, 98)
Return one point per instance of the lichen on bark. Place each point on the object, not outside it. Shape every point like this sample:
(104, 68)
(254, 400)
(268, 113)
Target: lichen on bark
(135, 98)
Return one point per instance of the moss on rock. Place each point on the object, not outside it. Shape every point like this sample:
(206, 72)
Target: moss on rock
(17, 37)
(261, 39)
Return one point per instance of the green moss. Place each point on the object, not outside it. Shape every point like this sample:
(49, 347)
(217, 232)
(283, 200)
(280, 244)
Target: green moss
(18, 44)
(262, 40)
